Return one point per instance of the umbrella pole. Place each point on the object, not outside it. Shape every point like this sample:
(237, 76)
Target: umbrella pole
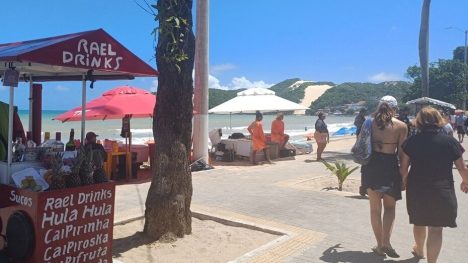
(10, 131)
(83, 108)
(230, 121)
(130, 137)
(30, 103)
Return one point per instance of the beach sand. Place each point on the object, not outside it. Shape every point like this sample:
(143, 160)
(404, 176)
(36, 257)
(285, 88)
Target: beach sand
(209, 242)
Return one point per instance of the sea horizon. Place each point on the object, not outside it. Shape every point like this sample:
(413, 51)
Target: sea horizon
(297, 126)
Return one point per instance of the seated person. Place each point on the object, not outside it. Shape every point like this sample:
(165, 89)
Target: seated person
(215, 136)
(258, 138)
(277, 131)
(90, 141)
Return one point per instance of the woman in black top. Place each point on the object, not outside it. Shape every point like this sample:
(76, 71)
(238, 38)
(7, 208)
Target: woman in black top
(321, 135)
(430, 193)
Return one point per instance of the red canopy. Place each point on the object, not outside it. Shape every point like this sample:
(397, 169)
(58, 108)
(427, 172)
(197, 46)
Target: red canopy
(115, 104)
(68, 57)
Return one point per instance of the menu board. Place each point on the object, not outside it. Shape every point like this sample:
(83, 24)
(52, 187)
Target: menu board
(72, 225)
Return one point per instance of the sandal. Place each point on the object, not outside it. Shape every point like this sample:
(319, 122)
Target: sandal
(416, 255)
(390, 252)
(378, 251)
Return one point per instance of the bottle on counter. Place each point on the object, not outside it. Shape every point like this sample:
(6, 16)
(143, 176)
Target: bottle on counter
(29, 141)
(46, 136)
(70, 146)
(57, 145)
(46, 145)
(19, 149)
(30, 153)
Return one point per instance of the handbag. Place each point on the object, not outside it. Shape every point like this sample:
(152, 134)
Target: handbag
(362, 148)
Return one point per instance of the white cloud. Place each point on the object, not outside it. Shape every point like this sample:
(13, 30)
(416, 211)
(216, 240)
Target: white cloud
(236, 83)
(384, 76)
(213, 83)
(62, 88)
(244, 83)
(154, 85)
(216, 69)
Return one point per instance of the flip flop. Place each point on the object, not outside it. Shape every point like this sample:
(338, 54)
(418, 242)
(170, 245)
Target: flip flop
(416, 255)
(378, 251)
(390, 252)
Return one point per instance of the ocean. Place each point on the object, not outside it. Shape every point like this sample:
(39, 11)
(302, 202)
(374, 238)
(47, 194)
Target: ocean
(297, 126)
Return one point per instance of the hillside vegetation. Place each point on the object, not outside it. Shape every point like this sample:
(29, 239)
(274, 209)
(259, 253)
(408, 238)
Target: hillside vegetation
(352, 92)
(346, 93)
(218, 96)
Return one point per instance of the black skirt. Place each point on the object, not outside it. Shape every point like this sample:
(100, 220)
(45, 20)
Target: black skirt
(431, 203)
(382, 175)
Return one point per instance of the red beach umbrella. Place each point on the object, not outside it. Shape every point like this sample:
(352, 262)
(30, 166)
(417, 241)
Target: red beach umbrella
(115, 104)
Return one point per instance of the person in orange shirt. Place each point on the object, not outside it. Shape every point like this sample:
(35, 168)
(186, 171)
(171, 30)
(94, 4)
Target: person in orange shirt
(258, 138)
(277, 131)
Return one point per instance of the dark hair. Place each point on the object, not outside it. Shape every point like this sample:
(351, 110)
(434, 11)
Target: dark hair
(320, 114)
(383, 115)
(258, 115)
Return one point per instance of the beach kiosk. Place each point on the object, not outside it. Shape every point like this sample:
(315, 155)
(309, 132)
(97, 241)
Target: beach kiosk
(72, 224)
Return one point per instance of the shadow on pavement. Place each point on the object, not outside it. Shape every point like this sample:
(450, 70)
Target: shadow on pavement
(330, 155)
(333, 156)
(333, 256)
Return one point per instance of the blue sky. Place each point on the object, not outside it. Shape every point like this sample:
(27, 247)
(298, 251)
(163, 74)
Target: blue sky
(253, 42)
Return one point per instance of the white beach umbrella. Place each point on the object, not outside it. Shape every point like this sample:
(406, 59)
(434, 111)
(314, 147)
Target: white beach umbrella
(256, 99)
(427, 100)
(251, 100)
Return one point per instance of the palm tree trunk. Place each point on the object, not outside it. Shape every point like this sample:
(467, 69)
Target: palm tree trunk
(170, 194)
(424, 47)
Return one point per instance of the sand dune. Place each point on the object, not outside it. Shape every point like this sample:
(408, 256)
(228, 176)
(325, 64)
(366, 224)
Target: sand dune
(312, 93)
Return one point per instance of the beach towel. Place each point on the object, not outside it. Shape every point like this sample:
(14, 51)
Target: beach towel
(362, 149)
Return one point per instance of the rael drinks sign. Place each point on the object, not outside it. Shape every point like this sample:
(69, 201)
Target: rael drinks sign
(93, 54)
(72, 225)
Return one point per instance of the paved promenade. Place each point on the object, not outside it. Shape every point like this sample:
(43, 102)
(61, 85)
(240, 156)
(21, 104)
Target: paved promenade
(339, 223)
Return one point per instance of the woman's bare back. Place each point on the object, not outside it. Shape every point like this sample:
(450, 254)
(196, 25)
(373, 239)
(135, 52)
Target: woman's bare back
(390, 138)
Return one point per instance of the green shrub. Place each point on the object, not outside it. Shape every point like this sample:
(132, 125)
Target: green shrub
(341, 171)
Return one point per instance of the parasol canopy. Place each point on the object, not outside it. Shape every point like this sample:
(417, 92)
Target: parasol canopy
(116, 103)
(85, 56)
(68, 57)
(251, 100)
(430, 101)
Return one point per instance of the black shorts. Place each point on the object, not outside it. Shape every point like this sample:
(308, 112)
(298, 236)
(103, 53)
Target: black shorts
(460, 130)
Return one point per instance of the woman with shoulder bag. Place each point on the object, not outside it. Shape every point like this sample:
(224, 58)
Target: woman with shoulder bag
(380, 176)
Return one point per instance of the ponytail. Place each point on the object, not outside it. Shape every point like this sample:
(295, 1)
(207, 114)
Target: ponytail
(383, 115)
